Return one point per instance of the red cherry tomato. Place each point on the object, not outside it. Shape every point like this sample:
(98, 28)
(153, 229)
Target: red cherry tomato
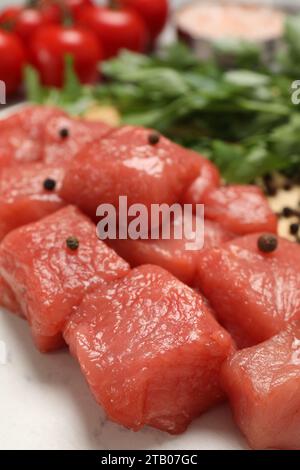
(50, 10)
(154, 13)
(31, 19)
(12, 61)
(51, 44)
(8, 16)
(116, 29)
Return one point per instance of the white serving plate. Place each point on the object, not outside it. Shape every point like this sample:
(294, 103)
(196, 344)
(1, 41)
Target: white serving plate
(46, 404)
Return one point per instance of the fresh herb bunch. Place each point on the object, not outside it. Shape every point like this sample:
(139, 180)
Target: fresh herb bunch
(241, 118)
(73, 97)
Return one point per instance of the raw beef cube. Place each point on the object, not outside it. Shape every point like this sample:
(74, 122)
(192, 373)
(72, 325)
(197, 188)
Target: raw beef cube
(240, 209)
(64, 137)
(254, 294)
(263, 385)
(23, 197)
(173, 255)
(150, 350)
(209, 178)
(49, 278)
(31, 119)
(7, 297)
(128, 163)
(21, 135)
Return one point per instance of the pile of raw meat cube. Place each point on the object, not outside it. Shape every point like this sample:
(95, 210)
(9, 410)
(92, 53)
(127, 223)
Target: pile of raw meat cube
(161, 333)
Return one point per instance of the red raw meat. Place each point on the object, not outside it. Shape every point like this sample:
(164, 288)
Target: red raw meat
(150, 350)
(127, 164)
(21, 135)
(60, 147)
(7, 297)
(48, 278)
(23, 198)
(263, 385)
(208, 179)
(172, 254)
(254, 294)
(240, 209)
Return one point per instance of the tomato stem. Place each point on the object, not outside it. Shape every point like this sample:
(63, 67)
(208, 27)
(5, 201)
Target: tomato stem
(31, 4)
(67, 19)
(114, 4)
(7, 26)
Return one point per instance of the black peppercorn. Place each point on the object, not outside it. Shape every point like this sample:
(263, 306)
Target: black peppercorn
(72, 243)
(269, 186)
(294, 229)
(267, 243)
(270, 191)
(287, 186)
(287, 212)
(153, 138)
(49, 184)
(64, 133)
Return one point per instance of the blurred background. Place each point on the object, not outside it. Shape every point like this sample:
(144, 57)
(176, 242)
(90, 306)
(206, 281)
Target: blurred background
(175, 3)
(224, 90)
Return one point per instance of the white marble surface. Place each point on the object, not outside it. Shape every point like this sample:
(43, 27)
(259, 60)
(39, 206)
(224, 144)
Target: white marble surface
(46, 404)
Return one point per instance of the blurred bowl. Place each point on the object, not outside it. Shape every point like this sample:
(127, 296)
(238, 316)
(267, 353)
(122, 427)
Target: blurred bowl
(205, 37)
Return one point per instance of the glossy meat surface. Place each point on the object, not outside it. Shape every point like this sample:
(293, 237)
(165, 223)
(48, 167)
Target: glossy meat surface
(150, 350)
(240, 209)
(21, 135)
(23, 198)
(48, 278)
(209, 178)
(126, 164)
(254, 294)
(7, 297)
(58, 148)
(173, 255)
(263, 385)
